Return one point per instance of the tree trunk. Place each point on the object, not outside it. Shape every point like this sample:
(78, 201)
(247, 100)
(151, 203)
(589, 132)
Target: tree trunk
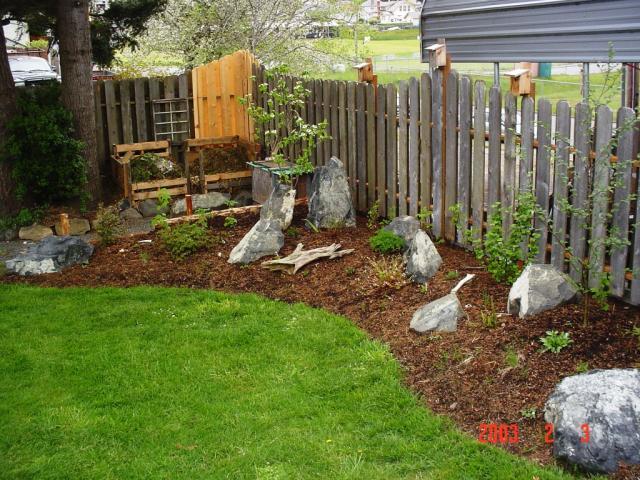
(8, 202)
(72, 19)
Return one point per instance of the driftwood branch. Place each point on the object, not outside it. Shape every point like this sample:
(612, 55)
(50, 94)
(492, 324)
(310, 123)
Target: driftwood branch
(466, 279)
(299, 258)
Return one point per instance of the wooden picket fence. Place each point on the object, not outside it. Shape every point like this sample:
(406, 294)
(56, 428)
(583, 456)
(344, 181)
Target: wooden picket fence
(435, 145)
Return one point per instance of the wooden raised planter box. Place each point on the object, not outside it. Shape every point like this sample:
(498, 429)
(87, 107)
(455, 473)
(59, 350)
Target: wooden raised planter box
(194, 150)
(122, 155)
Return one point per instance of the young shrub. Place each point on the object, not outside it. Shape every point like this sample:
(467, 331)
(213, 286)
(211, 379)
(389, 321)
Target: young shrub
(47, 161)
(555, 341)
(385, 241)
(108, 224)
(183, 239)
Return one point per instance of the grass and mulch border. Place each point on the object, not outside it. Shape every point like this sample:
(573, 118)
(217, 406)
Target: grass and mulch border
(486, 372)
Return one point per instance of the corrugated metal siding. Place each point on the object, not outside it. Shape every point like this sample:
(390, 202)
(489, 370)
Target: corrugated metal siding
(536, 31)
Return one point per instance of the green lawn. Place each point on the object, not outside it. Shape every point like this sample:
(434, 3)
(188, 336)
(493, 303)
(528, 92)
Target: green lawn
(168, 383)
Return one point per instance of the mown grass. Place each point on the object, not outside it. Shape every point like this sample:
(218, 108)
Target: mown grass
(169, 383)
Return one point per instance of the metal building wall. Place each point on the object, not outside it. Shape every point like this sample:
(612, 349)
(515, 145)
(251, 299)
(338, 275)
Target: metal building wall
(534, 30)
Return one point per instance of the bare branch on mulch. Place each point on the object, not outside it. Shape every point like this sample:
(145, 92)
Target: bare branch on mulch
(299, 258)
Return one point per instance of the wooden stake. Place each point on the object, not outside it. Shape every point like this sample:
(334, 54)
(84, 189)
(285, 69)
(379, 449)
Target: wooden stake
(64, 224)
(189, 204)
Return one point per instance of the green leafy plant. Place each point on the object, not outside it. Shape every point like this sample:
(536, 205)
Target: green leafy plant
(511, 358)
(635, 331)
(280, 113)
(385, 241)
(293, 232)
(230, 222)
(424, 216)
(184, 239)
(555, 341)
(24, 218)
(424, 288)
(451, 275)
(506, 255)
(489, 319)
(389, 271)
(164, 199)
(372, 215)
(311, 226)
(144, 257)
(46, 160)
(350, 271)
(108, 224)
(582, 367)
(230, 203)
(529, 413)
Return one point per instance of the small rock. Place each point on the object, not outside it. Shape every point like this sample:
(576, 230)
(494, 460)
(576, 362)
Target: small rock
(422, 258)
(243, 198)
(204, 201)
(149, 208)
(9, 234)
(608, 401)
(279, 206)
(124, 204)
(35, 232)
(130, 214)
(441, 315)
(330, 202)
(50, 255)
(404, 226)
(77, 226)
(539, 288)
(265, 238)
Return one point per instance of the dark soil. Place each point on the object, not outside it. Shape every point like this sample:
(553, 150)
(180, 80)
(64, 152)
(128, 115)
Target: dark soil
(464, 375)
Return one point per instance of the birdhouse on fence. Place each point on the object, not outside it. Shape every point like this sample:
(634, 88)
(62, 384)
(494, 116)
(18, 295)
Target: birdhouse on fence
(437, 55)
(520, 80)
(365, 72)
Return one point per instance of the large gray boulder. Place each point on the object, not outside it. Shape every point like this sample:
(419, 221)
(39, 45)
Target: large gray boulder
(330, 202)
(404, 226)
(50, 255)
(279, 205)
(77, 226)
(130, 214)
(149, 208)
(608, 401)
(539, 288)
(35, 232)
(265, 238)
(441, 315)
(422, 258)
(204, 201)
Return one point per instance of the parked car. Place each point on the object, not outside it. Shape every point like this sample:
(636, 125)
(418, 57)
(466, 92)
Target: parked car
(28, 70)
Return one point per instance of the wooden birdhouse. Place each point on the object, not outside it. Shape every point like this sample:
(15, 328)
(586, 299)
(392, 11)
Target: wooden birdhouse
(365, 72)
(437, 55)
(520, 80)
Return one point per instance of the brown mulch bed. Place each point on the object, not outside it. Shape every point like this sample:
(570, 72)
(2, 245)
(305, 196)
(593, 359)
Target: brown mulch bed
(462, 375)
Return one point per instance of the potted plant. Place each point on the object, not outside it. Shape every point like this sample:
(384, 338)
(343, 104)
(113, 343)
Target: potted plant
(279, 124)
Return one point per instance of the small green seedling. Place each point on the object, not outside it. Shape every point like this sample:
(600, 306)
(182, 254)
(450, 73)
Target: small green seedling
(528, 413)
(451, 275)
(582, 367)
(555, 341)
(230, 222)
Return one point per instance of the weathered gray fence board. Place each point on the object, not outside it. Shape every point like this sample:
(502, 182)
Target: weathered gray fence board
(288, 109)
(451, 164)
(464, 172)
(621, 200)
(361, 147)
(141, 110)
(425, 143)
(319, 118)
(560, 184)
(335, 127)
(112, 113)
(579, 194)
(381, 149)
(509, 164)
(351, 125)
(414, 145)
(403, 130)
(342, 121)
(600, 195)
(478, 166)
(436, 149)
(526, 144)
(392, 150)
(371, 144)
(170, 87)
(311, 116)
(543, 175)
(103, 150)
(125, 111)
(326, 113)
(493, 171)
